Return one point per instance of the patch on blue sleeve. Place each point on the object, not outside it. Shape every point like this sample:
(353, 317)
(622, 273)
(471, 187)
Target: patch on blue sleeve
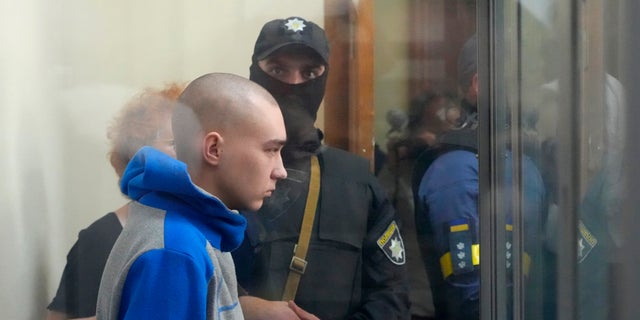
(460, 246)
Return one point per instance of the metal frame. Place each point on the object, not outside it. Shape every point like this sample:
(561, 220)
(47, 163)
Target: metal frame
(628, 290)
(494, 18)
(492, 237)
(569, 161)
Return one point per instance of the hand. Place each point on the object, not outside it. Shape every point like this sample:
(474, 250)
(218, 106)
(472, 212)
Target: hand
(257, 309)
(304, 315)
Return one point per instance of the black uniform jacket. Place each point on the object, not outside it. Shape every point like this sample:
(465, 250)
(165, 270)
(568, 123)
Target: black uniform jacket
(349, 275)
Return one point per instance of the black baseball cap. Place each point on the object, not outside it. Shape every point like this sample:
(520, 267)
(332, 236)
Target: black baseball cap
(278, 33)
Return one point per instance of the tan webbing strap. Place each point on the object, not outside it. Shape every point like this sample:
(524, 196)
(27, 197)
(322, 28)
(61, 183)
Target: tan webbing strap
(298, 263)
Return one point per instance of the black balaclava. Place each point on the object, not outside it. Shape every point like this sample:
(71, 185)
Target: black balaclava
(299, 103)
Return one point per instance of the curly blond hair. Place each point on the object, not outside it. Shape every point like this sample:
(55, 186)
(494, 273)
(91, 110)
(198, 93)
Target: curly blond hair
(138, 122)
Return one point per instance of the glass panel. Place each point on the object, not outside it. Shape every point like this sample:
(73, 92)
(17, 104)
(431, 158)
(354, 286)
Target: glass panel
(533, 111)
(604, 134)
(565, 113)
(548, 171)
(532, 81)
(68, 69)
(623, 28)
(419, 93)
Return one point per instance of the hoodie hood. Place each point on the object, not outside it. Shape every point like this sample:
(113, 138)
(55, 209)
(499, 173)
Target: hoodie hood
(160, 181)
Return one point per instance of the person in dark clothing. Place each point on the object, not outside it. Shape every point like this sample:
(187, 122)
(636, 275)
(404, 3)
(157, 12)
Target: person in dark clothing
(354, 266)
(144, 121)
(428, 116)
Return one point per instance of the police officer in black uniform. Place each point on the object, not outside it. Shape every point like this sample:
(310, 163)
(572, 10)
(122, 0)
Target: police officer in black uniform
(354, 265)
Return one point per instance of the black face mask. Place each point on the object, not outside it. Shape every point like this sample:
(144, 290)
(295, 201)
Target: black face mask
(299, 104)
(310, 93)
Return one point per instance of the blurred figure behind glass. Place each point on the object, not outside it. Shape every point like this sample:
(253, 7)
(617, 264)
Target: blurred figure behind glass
(144, 121)
(430, 114)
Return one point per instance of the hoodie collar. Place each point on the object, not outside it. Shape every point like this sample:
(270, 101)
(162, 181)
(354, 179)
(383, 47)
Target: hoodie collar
(158, 180)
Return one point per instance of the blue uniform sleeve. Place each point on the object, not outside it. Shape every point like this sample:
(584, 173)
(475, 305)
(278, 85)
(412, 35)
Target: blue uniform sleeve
(165, 284)
(449, 189)
(534, 202)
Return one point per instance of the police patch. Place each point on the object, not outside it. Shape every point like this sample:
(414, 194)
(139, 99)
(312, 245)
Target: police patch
(460, 246)
(295, 24)
(391, 244)
(586, 242)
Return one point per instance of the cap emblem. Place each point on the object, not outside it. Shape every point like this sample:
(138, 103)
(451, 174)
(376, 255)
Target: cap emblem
(295, 25)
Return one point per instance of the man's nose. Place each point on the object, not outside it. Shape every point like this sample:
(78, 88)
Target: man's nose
(279, 172)
(295, 78)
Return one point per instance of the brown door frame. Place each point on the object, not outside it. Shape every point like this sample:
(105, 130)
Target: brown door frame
(348, 102)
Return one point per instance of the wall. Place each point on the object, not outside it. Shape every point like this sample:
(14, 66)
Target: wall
(391, 65)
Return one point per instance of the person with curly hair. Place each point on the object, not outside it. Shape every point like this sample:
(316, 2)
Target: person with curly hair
(145, 120)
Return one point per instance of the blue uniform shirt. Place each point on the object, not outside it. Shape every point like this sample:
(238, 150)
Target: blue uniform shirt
(449, 192)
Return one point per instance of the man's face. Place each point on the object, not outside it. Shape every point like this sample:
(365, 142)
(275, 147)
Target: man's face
(251, 162)
(296, 77)
(293, 65)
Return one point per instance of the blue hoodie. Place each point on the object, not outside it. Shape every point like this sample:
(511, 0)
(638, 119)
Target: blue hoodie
(172, 259)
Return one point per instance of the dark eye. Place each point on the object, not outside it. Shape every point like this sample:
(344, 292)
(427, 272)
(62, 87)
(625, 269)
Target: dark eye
(310, 74)
(276, 70)
(314, 72)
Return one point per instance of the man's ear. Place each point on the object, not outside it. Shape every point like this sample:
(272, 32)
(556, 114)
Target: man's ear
(474, 84)
(471, 94)
(212, 147)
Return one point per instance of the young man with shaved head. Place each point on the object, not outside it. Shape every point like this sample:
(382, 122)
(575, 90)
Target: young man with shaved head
(172, 258)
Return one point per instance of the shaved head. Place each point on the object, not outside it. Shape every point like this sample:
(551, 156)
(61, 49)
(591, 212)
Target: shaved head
(215, 102)
(230, 131)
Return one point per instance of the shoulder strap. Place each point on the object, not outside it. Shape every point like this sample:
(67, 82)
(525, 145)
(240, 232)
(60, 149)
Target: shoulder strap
(298, 263)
